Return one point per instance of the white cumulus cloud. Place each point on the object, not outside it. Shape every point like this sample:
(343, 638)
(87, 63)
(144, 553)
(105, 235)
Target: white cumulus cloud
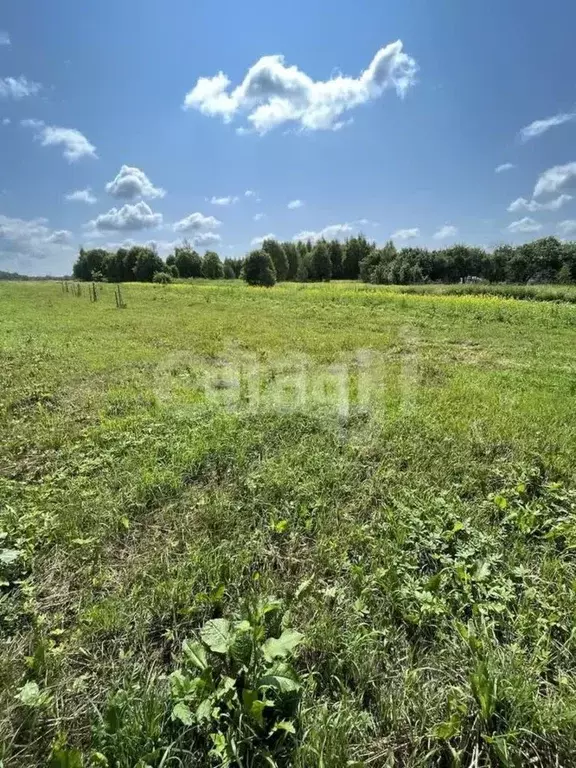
(17, 87)
(521, 204)
(524, 225)
(60, 236)
(538, 127)
(405, 234)
(567, 227)
(448, 230)
(75, 144)
(196, 222)
(81, 196)
(131, 183)
(554, 179)
(206, 239)
(273, 93)
(504, 167)
(128, 218)
(229, 200)
(294, 204)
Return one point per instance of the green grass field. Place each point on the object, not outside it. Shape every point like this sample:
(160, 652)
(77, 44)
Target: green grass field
(321, 525)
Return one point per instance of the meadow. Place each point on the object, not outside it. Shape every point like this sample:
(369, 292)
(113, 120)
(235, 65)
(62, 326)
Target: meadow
(317, 525)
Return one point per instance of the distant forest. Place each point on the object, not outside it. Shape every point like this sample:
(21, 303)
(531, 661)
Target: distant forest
(547, 260)
(17, 276)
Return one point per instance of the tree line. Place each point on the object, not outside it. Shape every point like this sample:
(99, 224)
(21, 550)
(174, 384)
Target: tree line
(17, 277)
(546, 260)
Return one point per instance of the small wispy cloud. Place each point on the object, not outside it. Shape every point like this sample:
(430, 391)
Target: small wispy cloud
(567, 227)
(524, 225)
(294, 204)
(331, 232)
(555, 178)
(75, 145)
(258, 216)
(18, 87)
(4, 37)
(256, 241)
(538, 127)
(406, 234)
(81, 196)
(504, 167)
(521, 204)
(445, 232)
(230, 200)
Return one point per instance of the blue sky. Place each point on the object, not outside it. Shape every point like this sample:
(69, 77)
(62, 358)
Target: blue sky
(388, 117)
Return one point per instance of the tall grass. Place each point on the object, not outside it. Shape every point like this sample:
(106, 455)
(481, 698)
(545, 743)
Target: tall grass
(564, 293)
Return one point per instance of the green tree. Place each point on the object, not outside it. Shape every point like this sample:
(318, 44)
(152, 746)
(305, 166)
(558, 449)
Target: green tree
(80, 269)
(130, 258)
(147, 264)
(565, 274)
(356, 249)
(496, 263)
(381, 257)
(187, 261)
(302, 271)
(90, 264)
(236, 265)
(301, 248)
(380, 274)
(292, 255)
(276, 253)
(569, 258)
(212, 266)
(320, 261)
(336, 252)
(229, 273)
(259, 269)
(518, 266)
(114, 266)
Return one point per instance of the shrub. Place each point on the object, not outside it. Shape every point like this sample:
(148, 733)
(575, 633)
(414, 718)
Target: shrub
(162, 277)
